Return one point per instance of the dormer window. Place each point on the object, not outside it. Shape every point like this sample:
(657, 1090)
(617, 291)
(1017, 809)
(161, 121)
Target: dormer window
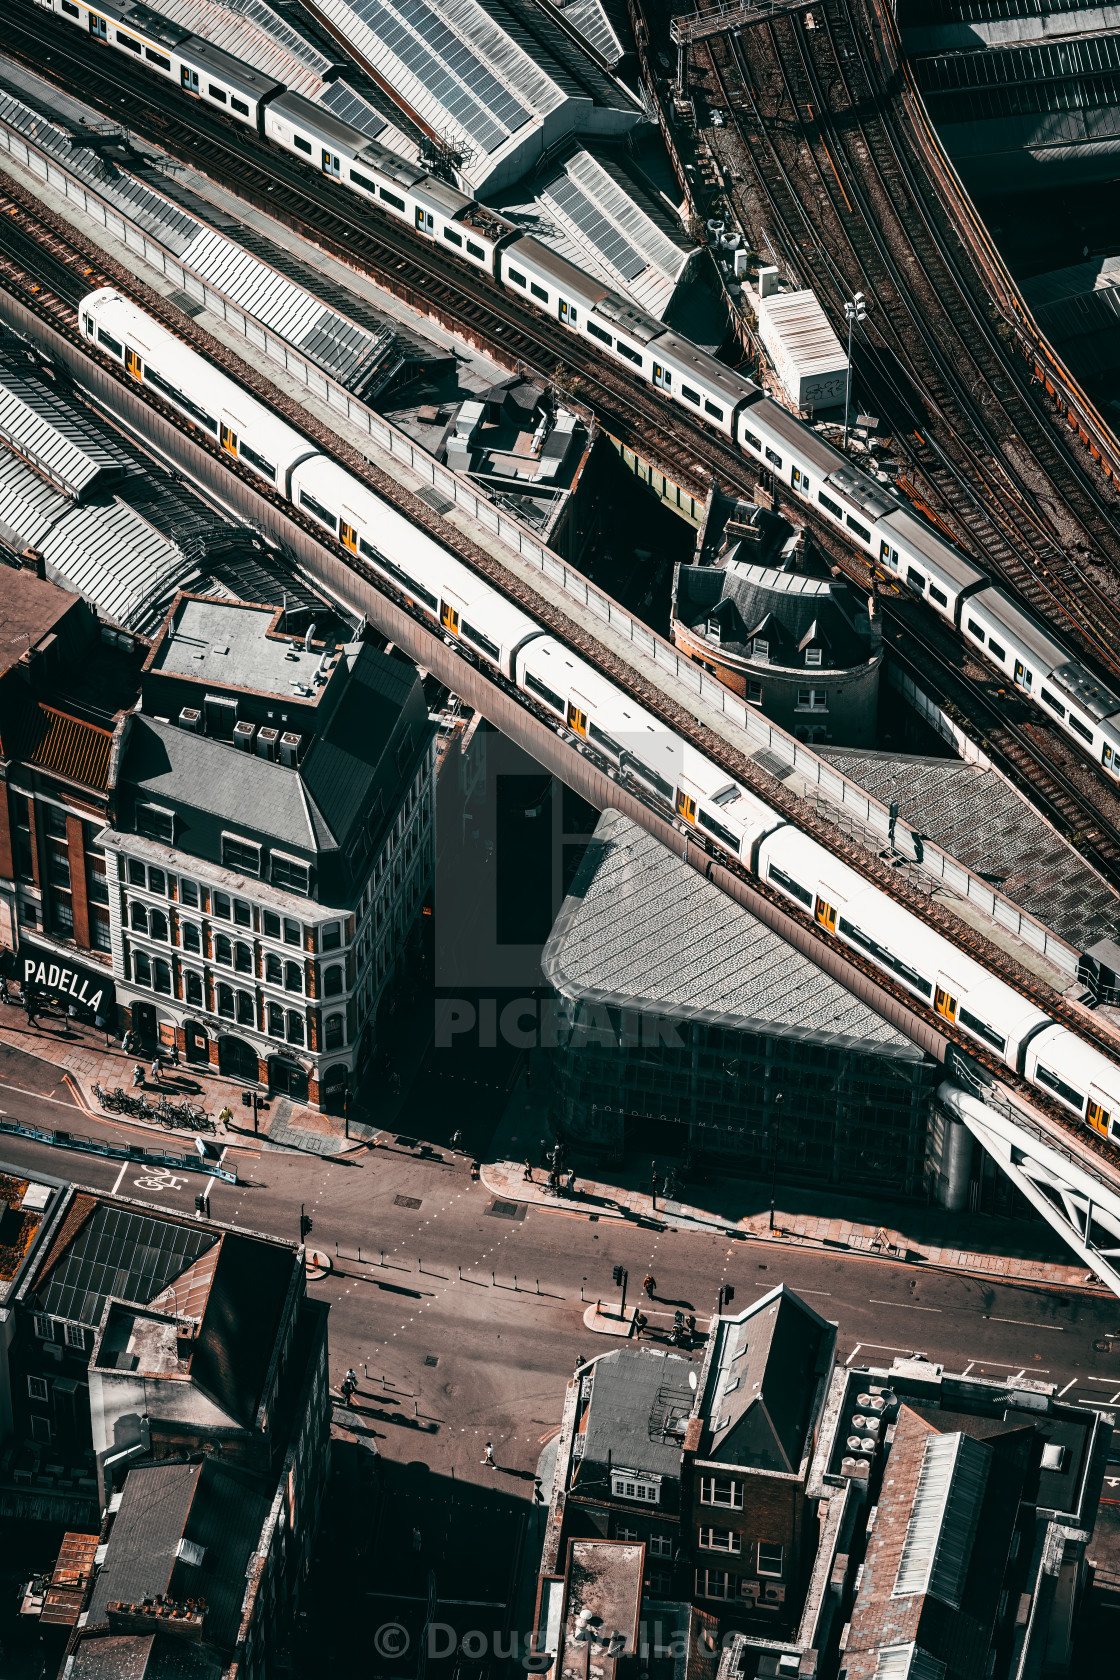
(813, 656)
(627, 1484)
(712, 630)
(761, 650)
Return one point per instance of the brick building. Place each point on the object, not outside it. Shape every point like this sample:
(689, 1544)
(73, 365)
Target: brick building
(272, 847)
(748, 1524)
(68, 682)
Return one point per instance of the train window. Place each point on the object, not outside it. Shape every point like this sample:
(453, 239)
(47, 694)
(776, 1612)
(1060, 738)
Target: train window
(399, 576)
(995, 650)
(915, 579)
(543, 692)
(717, 830)
(749, 438)
(860, 530)
(693, 396)
(686, 805)
(128, 41)
(452, 237)
(834, 508)
(1079, 728)
(885, 957)
(474, 250)
(975, 629)
(789, 885)
(630, 354)
(239, 106)
(480, 641)
(110, 342)
(265, 468)
(1053, 702)
(716, 412)
(966, 1018)
(637, 768)
(302, 144)
(774, 458)
(389, 198)
(70, 9)
(324, 515)
(217, 93)
(602, 739)
(1059, 1087)
(938, 595)
(597, 332)
(538, 291)
(166, 389)
(518, 279)
(157, 58)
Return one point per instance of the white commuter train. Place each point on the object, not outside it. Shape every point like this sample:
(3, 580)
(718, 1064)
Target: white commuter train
(629, 742)
(868, 514)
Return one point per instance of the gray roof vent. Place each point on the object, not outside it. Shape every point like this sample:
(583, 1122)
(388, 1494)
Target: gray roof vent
(191, 718)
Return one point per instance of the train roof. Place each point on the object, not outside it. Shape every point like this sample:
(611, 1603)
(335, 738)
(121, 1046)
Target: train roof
(1090, 693)
(683, 354)
(320, 121)
(152, 24)
(626, 315)
(1079, 1060)
(437, 195)
(873, 499)
(535, 255)
(809, 446)
(233, 71)
(1031, 637)
(949, 560)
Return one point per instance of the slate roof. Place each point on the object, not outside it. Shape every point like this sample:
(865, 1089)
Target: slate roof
(211, 1504)
(789, 609)
(29, 607)
(641, 927)
(764, 1375)
(977, 816)
(244, 1308)
(637, 1394)
(945, 1521)
(55, 437)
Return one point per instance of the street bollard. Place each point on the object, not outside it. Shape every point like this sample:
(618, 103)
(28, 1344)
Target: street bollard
(492, 1280)
(359, 1251)
(460, 1271)
(382, 1256)
(419, 1266)
(538, 1286)
(515, 1282)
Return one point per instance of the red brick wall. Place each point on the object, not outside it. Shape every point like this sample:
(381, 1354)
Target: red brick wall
(76, 851)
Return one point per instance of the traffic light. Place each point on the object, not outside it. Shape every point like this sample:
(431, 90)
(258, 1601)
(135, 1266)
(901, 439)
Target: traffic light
(202, 1205)
(304, 1224)
(617, 1274)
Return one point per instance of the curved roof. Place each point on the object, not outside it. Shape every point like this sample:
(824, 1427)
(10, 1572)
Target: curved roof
(787, 610)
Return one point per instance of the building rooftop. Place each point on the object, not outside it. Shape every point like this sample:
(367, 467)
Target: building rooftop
(636, 1407)
(231, 645)
(30, 610)
(641, 927)
(56, 437)
(788, 609)
(603, 1602)
(762, 1380)
(978, 817)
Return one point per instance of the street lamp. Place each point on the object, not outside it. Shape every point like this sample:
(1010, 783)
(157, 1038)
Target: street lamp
(855, 310)
(777, 1141)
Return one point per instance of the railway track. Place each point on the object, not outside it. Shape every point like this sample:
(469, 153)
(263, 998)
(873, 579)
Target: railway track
(74, 260)
(849, 213)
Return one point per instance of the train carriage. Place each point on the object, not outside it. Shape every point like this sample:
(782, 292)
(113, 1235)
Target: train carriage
(791, 451)
(698, 382)
(929, 566)
(1078, 1077)
(528, 269)
(720, 810)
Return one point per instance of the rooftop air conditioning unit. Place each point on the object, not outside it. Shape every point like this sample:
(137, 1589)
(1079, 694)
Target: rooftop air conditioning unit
(266, 743)
(290, 746)
(191, 718)
(243, 736)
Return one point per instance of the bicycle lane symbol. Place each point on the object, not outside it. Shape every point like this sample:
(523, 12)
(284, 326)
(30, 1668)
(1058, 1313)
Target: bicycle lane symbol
(160, 1178)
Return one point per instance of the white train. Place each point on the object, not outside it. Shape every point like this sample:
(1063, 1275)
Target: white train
(867, 513)
(630, 743)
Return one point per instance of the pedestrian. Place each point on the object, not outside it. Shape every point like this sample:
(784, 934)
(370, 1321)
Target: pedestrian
(649, 1284)
(640, 1322)
(571, 1181)
(174, 1055)
(456, 1140)
(29, 1003)
(157, 1070)
(527, 1175)
(488, 1455)
(225, 1118)
(138, 1076)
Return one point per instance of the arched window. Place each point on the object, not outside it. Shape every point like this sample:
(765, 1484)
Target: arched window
(332, 1032)
(225, 1001)
(141, 969)
(273, 970)
(243, 958)
(332, 981)
(161, 975)
(295, 1027)
(275, 1020)
(194, 986)
(192, 939)
(246, 1009)
(223, 950)
(157, 925)
(293, 978)
(138, 916)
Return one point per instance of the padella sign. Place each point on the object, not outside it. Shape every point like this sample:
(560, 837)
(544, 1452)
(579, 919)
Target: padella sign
(63, 982)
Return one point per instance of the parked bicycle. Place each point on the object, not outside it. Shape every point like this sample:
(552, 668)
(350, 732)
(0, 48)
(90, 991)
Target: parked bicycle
(108, 1100)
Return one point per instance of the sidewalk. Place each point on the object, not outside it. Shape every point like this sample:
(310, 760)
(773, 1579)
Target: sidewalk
(82, 1058)
(1006, 1250)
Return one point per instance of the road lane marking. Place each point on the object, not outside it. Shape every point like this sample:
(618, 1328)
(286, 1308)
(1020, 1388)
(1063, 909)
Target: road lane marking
(968, 1367)
(827, 1292)
(124, 1168)
(1026, 1322)
(911, 1306)
(1067, 1388)
(985, 1364)
(884, 1347)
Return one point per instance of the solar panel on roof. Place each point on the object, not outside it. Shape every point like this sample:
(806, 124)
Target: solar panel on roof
(606, 239)
(344, 103)
(436, 80)
(465, 65)
(119, 1252)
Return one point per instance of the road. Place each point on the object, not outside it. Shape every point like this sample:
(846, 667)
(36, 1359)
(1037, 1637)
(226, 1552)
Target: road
(464, 1324)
